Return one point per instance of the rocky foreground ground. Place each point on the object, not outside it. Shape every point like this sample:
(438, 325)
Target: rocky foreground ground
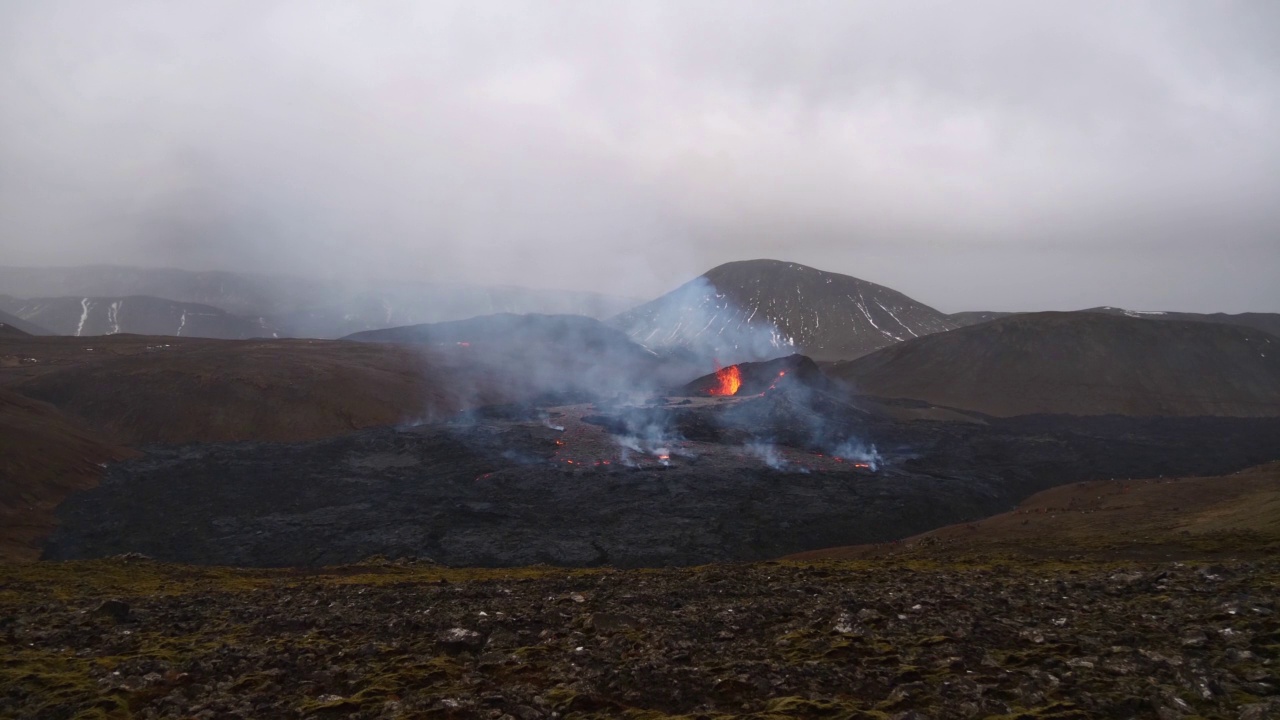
(132, 638)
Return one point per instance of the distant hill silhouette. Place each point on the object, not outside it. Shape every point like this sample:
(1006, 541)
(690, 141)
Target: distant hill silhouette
(1268, 322)
(9, 331)
(1083, 363)
(16, 324)
(557, 353)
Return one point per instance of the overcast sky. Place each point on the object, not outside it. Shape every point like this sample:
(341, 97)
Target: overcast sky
(1013, 155)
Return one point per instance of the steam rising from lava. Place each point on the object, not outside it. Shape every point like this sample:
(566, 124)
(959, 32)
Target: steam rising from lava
(862, 455)
(772, 457)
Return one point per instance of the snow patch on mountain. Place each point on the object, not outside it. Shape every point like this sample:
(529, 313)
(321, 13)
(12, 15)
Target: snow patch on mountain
(763, 308)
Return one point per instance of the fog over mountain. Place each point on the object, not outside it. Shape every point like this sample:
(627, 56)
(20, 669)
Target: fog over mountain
(993, 155)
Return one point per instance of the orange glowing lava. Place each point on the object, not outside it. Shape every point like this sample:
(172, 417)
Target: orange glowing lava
(728, 380)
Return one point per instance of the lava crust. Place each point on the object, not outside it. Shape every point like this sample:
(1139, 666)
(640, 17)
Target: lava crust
(669, 483)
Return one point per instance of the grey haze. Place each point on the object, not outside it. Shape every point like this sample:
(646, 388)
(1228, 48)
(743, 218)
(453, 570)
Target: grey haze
(978, 155)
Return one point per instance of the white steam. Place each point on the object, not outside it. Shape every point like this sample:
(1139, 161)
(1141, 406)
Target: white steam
(858, 452)
(699, 319)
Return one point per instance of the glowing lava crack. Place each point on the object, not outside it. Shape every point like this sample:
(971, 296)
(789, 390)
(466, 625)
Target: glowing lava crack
(728, 380)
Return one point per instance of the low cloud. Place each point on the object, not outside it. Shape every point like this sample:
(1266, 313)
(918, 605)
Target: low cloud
(1003, 155)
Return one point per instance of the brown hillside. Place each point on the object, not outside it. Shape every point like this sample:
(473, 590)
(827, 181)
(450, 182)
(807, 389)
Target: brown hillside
(1082, 364)
(67, 404)
(142, 390)
(44, 456)
(1114, 519)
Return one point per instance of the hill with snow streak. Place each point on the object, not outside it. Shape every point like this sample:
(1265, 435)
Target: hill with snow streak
(138, 315)
(759, 309)
(301, 306)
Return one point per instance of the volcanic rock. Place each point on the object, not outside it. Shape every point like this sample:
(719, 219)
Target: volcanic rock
(612, 622)
(117, 610)
(456, 640)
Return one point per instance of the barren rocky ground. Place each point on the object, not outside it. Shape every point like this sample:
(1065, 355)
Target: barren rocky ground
(132, 638)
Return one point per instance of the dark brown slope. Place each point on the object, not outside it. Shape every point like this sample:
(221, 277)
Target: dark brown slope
(1160, 518)
(142, 390)
(44, 456)
(67, 404)
(1082, 364)
(759, 309)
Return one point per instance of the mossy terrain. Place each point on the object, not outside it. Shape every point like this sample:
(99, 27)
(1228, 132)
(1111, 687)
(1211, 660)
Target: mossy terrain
(903, 638)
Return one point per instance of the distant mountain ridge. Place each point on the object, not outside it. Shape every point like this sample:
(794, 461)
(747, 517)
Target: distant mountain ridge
(1081, 363)
(973, 317)
(291, 306)
(138, 315)
(757, 309)
(1267, 322)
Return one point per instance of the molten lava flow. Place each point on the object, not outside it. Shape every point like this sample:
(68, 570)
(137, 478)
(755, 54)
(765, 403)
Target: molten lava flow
(728, 380)
(775, 382)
